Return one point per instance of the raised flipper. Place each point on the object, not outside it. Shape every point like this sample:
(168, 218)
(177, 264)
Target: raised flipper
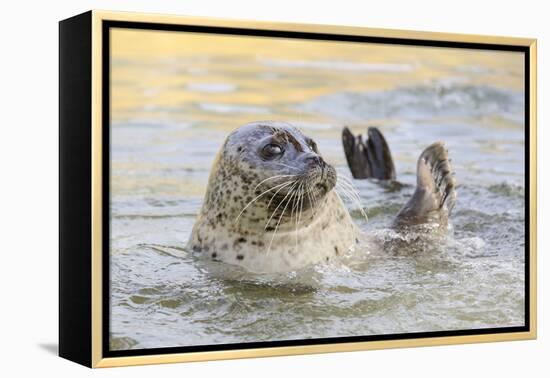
(369, 159)
(435, 194)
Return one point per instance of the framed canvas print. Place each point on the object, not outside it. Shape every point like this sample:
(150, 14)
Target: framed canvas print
(235, 189)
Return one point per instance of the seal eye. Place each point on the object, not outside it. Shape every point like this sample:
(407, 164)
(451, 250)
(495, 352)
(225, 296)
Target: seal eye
(272, 150)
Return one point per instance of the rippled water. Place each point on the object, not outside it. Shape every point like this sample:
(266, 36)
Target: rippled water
(172, 109)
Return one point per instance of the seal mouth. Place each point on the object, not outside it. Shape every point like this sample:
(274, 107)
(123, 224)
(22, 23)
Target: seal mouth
(327, 179)
(303, 190)
(321, 186)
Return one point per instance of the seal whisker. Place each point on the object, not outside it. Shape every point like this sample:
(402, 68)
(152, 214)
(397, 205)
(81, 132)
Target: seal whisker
(280, 217)
(288, 166)
(294, 211)
(272, 178)
(312, 200)
(347, 192)
(350, 193)
(277, 192)
(301, 204)
(351, 190)
(348, 186)
(343, 180)
(300, 195)
(295, 202)
(338, 195)
(299, 214)
(280, 203)
(282, 185)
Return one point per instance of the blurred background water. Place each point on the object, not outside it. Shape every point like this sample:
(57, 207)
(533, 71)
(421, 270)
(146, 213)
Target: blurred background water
(175, 96)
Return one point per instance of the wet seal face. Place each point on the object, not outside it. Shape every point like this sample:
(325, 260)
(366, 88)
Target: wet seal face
(270, 204)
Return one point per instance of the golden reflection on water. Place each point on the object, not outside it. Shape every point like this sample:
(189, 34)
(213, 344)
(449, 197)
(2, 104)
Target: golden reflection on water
(200, 82)
(157, 72)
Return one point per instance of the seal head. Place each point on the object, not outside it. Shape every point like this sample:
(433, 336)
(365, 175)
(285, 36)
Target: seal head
(270, 205)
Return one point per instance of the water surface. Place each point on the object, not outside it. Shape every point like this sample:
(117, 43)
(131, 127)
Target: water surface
(175, 97)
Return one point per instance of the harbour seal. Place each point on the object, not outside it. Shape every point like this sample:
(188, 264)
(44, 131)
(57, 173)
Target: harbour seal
(270, 204)
(271, 207)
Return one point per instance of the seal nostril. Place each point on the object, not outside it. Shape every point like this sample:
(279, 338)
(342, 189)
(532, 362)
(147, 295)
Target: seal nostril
(316, 160)
(322, 187)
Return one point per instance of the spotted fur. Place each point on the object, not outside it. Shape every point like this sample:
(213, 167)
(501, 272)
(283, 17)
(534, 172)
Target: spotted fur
(265, 238)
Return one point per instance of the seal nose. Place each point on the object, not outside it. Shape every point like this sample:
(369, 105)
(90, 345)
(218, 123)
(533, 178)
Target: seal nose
(315, 160)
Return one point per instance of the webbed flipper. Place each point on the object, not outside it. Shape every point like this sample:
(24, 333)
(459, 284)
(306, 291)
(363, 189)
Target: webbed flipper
(435, 194)
(371, 158)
